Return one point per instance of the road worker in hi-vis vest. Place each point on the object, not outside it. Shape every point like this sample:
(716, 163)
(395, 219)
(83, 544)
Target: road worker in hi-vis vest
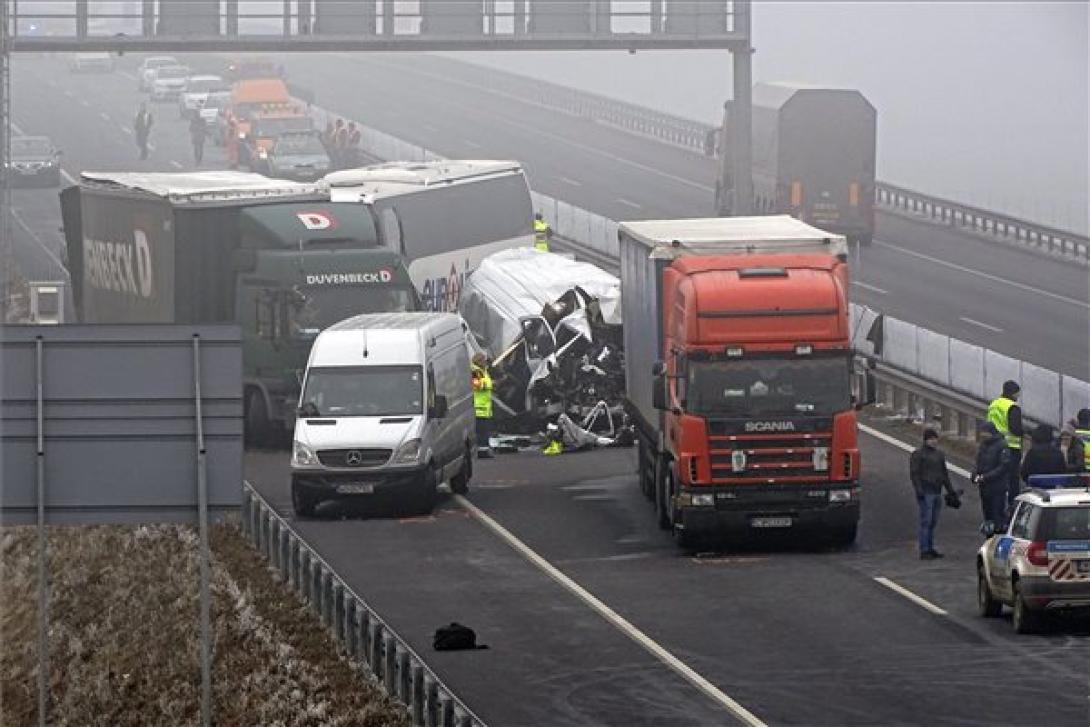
(542, 233)
(482, 404)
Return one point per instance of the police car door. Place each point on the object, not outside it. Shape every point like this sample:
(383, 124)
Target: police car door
(1009, 549)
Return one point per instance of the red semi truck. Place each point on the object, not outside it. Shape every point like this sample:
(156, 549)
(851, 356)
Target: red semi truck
(740, 375)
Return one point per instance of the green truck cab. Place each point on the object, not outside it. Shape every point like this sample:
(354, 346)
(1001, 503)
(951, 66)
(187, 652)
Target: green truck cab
(274, 257)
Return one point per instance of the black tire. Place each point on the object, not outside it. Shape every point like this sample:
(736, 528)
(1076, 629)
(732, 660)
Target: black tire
(301, 502)
(844, 536)
(662, 498)
(258, 429)
(424, 500)
(985, 603)
(646, 472)
(459, 483)
(1024, 620)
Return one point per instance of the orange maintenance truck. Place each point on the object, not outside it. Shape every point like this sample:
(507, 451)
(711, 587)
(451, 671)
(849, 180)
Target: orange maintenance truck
(740, 375)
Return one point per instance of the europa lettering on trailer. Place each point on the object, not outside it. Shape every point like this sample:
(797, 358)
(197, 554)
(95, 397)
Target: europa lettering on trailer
(119, 266)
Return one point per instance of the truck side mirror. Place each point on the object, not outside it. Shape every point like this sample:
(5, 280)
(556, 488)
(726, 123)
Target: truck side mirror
(864, 389)
(438, 410)
(658, 385)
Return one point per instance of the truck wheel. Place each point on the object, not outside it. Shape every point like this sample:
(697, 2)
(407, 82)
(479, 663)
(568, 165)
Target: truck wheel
(301, 502)
(662, 498)
(646, 472)
(1025, 620)
(844, 536)
(258, 428)
(459, 483)
(988, 606)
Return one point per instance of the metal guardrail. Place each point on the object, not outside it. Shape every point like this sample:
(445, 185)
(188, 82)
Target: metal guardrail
(943, 211)
(368, 639)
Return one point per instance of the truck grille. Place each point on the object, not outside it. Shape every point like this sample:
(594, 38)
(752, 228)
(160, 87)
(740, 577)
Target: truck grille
(357, 457)
(770, 457)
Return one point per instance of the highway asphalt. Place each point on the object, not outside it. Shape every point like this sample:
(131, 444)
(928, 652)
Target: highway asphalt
(796, 634)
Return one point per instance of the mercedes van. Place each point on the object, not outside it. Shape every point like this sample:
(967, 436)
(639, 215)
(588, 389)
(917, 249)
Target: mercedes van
(385, 412)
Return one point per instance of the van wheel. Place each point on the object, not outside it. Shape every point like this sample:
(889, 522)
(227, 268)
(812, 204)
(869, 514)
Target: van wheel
(301, 502)
(258, 427)
(429, 492)
(459, 483)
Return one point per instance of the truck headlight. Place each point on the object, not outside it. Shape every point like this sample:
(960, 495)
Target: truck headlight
(704, 500)
(840, 495)
(821, 459)
(408, 452)
(302, 455)
(738, 460)
(262, 153)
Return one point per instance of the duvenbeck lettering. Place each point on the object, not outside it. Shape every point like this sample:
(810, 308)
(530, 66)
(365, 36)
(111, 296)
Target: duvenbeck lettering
(118, 266)
(770, 426)
(381, 276)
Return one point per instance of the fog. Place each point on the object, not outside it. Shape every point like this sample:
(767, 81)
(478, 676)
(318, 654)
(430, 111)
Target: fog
(982, 102)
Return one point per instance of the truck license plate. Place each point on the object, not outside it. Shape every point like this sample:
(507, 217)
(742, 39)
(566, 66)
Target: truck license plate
(1082, 566)
(770, 522)
(356, 488)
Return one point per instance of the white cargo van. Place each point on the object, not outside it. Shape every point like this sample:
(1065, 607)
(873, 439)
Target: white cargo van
(386, 412)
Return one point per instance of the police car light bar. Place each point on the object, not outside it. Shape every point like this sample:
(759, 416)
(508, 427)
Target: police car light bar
(1059, 482)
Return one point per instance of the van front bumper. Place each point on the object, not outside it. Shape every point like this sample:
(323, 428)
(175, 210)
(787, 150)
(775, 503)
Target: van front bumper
(332, 485)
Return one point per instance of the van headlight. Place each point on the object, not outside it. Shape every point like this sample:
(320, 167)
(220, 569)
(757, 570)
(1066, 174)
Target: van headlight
(407, 453)
(302, 455)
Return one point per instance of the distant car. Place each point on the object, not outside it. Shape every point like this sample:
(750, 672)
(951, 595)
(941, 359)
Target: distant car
(168, 82)
(145, 73)
(300, 156)
(34, 161)
(196, 92)
(84, 62)
(211, 111)
(1042, 562)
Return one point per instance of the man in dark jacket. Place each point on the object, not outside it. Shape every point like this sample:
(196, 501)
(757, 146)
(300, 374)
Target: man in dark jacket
(990, 474)
(927, 468)
(1044, 457)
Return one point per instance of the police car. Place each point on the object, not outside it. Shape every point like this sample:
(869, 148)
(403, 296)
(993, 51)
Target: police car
(1042, 562)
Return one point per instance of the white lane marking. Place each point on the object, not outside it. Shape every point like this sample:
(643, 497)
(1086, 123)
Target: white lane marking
(125, 129)
(973, 321)
(429, 128)
(473, 144)
(671, 661)
(868, 286)
(34, 236)
(908, 448)
(84, 103)
(176, 165)
(572, 182)
(986, 276)
(69, 94)
(126, 74)
(629, 203)
(918, 600)
(106, 117)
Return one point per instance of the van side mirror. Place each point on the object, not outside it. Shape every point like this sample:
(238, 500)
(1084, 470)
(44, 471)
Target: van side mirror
(438, 410)
(658, 369)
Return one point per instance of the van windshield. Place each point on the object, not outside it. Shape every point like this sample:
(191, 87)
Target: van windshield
(363, 391)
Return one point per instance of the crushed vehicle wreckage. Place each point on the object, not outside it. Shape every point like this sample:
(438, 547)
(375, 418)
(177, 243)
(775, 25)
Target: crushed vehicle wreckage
(551, 327)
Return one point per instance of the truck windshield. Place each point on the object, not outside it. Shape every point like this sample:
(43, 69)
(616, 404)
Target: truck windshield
(759, 387)
(319, 307)
(363, 391)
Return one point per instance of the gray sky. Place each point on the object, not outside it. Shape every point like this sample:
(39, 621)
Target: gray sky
(982, 102)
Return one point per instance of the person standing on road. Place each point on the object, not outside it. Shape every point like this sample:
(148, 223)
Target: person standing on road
(482, 404)
(990, 474)
(141, 127)
(927, 470)
(1082, 433)
(1006, 415)
(542, 233)
(1043, 457)
(352, 146)
(198, 132)
(1072, 449)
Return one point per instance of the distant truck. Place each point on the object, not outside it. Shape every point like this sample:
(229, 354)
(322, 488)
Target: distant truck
(275, 257)
(813, 157)
(740, 375)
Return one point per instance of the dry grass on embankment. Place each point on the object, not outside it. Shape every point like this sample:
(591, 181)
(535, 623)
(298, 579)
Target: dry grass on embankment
(124, 635)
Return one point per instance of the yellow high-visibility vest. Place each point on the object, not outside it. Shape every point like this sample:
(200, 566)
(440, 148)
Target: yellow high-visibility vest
(998, 411)
(541, 235)
(482, 393)
(1084, 437)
